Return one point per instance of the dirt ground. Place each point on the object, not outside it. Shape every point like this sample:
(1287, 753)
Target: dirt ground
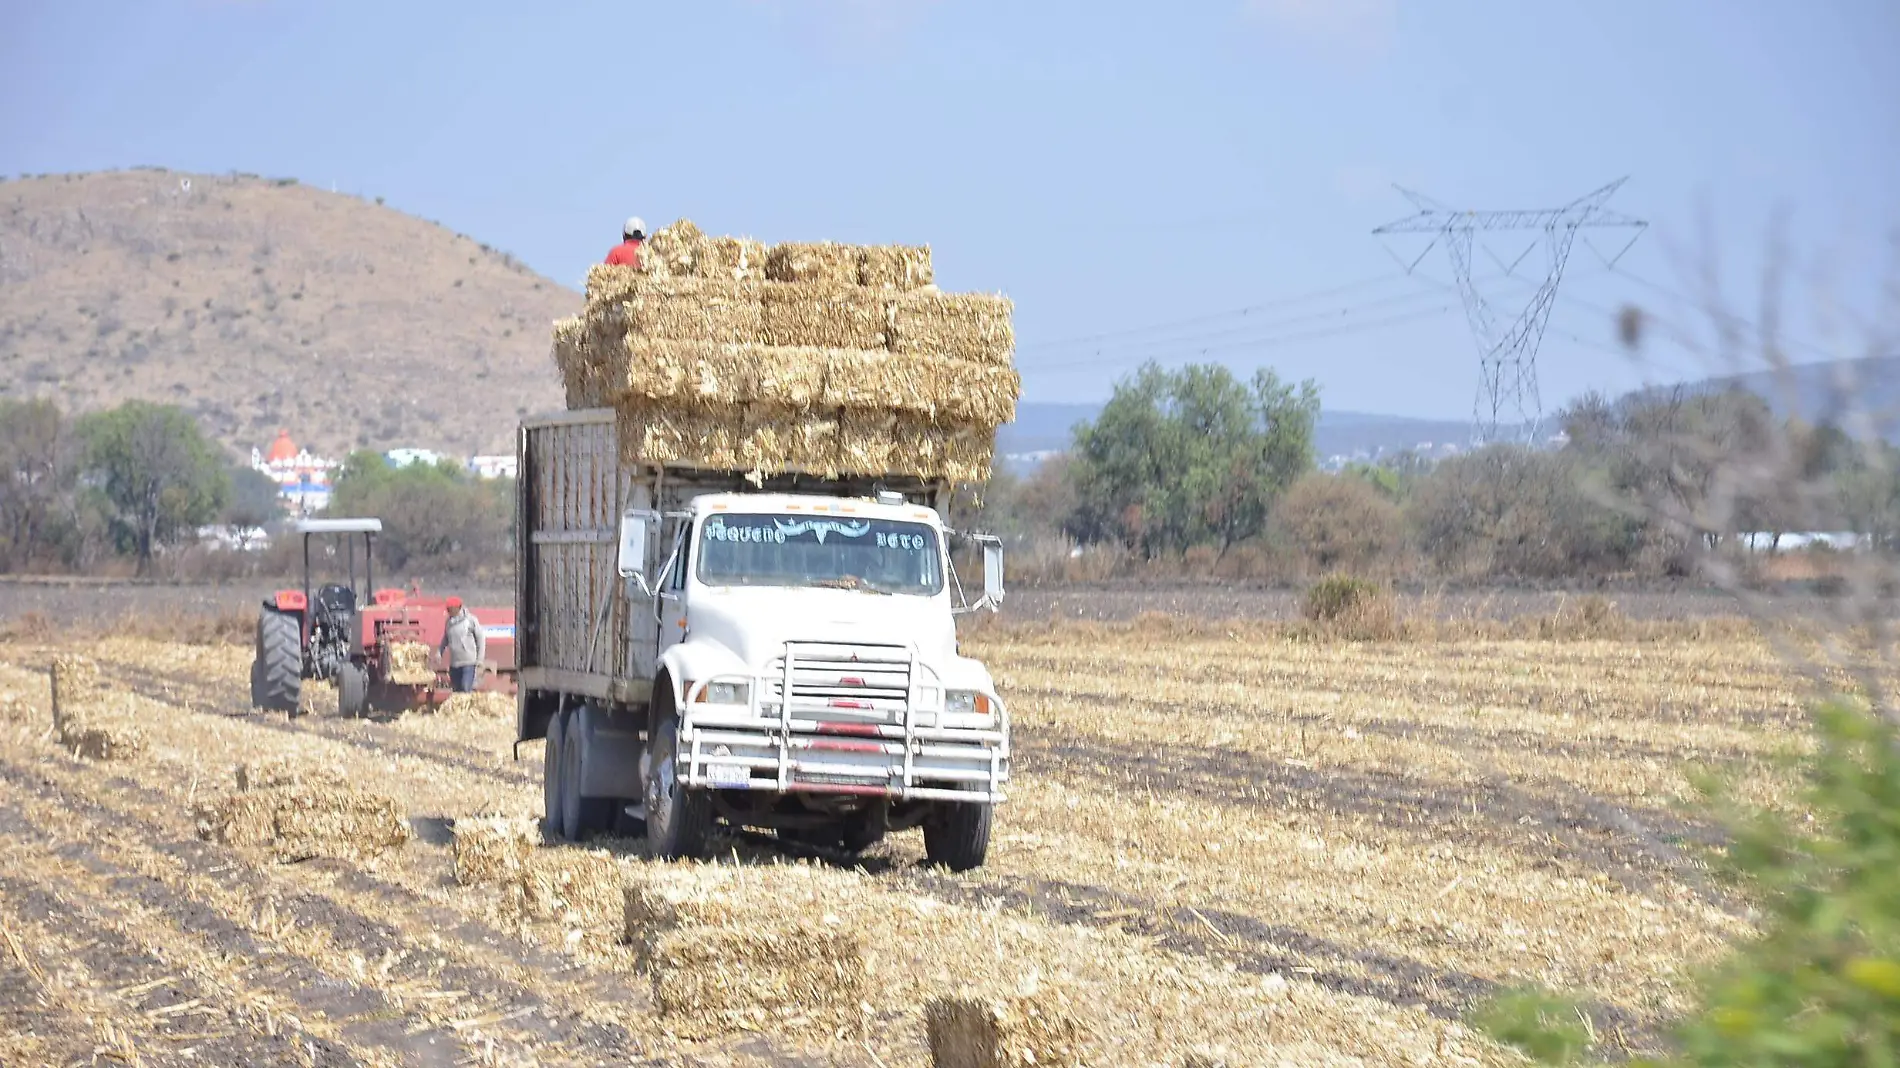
(1221, 841)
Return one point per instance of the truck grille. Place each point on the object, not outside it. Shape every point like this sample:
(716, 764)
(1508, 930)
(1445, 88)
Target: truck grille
(866, 683)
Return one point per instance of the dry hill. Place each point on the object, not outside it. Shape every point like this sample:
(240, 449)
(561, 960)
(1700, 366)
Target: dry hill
(259, 303)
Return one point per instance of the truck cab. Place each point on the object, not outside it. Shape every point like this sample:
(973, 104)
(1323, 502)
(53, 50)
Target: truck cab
(775, 656)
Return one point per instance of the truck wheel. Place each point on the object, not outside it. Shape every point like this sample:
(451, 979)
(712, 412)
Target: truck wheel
(277, 665)
(679, 820)
(552, 826)
(352, 691)
(580, 815)
(957, 834)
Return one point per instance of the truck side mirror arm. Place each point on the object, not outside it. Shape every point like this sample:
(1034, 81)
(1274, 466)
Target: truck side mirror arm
(992, 547)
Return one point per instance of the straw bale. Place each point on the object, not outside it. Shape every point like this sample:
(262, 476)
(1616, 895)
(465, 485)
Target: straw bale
(1002, 1032)
(682, 309)
(730, 437)
(90, 723)
(769, 975)
(959, 326)
(899, 267)
(410, 663)
(672, 250)
(581, 376)
(824, 315)
(272, 772)
(301, 822)
(482, 704)
(873, 442)
(575, 887)
(957, 391)
(706, 374)
(490, 849)
(813, 261)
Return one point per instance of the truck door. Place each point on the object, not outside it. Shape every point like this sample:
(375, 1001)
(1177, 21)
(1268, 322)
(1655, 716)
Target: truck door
(673, 588)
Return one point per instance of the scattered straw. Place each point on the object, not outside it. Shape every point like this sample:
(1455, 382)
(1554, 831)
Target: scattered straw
(272, 772)
(91, 723)
(482, 704)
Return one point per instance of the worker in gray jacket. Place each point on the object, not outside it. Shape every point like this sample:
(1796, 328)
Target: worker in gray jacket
(465, 646)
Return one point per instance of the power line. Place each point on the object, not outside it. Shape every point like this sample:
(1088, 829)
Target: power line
(1082, 339)
(1257, 343)
(1135, 345)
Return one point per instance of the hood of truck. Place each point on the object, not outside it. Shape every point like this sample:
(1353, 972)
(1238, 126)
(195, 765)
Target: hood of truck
(754, 623)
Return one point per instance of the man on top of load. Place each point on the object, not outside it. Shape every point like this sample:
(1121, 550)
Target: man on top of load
(627, 253)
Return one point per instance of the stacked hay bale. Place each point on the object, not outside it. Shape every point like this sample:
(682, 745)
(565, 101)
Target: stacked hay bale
(492, 849)
(1002, 1031)
(728, 947)
(824, 358)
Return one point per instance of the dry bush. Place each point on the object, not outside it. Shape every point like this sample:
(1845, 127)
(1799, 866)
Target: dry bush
(1339, 523)
(1343, 606)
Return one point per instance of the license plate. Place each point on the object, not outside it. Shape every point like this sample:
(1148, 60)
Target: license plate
(728, 774)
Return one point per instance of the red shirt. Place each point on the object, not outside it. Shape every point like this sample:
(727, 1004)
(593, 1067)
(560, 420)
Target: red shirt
(625, 254)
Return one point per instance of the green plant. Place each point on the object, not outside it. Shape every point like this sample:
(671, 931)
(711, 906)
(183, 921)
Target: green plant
(1819, 987)
(1550, 1028)
(1335, 596)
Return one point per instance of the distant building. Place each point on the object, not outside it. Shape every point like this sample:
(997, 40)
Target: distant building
(405, 457)
(303, 481)
(498, 465)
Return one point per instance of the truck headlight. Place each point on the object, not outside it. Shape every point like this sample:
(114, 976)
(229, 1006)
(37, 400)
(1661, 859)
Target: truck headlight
(966, 702)
(726, 693)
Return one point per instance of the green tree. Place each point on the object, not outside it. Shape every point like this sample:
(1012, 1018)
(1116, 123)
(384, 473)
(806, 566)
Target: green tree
(158, 474)
(435, 516)
(254, 501)
(1190, 457)
(36, 477)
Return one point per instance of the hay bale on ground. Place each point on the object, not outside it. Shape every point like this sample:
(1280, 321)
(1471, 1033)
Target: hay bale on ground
(410, 663)
(824, 315)
(272, 772)
(813, 261)
(577, 888)
(1002, 1032)
(958, 326)
(493, 848)
(89, 725)
(481, 705)
(769, 976)
(306, 821)
(899, 267)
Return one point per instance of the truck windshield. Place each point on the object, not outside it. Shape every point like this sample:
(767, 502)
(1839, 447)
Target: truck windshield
(875, 555)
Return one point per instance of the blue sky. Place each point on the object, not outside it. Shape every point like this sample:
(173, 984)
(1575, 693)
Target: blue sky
(1114, 167)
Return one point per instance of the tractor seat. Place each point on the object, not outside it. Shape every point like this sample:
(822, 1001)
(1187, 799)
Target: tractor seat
(336, 600)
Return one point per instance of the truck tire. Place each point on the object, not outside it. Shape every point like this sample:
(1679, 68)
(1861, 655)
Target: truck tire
(551, 824)
(277, 665)
(679, 820)
(352, 691)
(957, 835)
(580, 815)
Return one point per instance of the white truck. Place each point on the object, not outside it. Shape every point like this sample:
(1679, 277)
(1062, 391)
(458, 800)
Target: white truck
(781, 652)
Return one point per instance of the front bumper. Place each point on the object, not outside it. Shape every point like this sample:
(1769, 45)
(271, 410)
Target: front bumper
(901, 745)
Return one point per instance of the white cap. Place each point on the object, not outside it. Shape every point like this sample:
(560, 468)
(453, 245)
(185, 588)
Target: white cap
(635, 225)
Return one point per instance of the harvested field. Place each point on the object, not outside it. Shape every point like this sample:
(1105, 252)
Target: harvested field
(1225, 843)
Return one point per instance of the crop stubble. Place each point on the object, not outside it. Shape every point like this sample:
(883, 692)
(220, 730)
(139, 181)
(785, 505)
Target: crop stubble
(1322, 852)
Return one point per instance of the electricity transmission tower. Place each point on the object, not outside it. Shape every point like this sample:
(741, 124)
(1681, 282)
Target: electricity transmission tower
(1507, 362)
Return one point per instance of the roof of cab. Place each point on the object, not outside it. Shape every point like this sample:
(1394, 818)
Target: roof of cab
(753, 503)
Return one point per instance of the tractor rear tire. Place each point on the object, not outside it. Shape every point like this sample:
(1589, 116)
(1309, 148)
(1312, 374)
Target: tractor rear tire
(957, 834)
(277, 668)
(352, 691)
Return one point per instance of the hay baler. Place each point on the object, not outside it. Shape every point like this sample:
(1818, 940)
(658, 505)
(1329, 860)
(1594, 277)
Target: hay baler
(344, 631)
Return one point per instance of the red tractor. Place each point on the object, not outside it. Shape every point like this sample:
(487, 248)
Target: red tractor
(343, 630)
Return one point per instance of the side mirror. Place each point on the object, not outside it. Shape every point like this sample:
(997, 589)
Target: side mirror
(992, 573)
(635, 528)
